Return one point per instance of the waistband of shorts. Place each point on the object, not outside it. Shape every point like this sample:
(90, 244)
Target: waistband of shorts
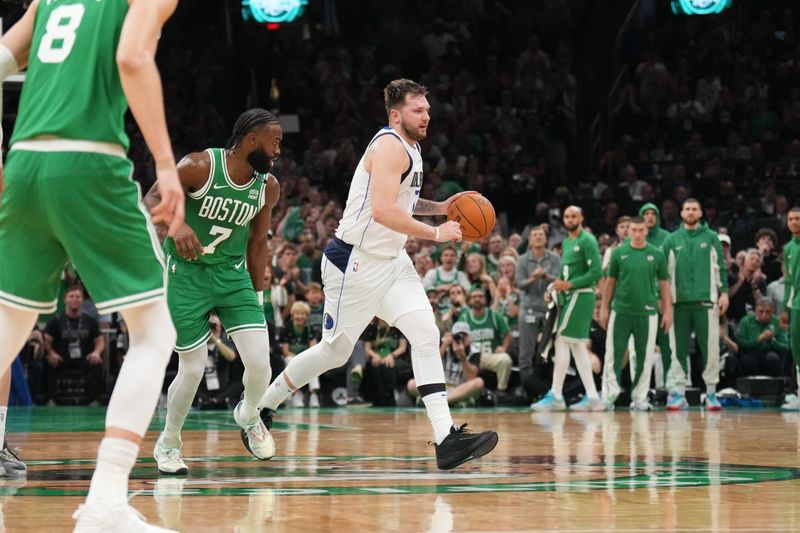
(69, 145)
(582, 291)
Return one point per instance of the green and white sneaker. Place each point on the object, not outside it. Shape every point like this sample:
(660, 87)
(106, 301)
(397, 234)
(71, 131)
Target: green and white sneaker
(170, 461)
(255, 436)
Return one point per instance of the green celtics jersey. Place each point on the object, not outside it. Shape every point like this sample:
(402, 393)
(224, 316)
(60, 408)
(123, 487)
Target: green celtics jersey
(220, 213)
(581, 263)
(72, 88)
(791, 266)
(486, 332)
(637, 271)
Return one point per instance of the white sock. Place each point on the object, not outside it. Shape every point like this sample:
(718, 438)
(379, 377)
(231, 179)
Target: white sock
(307, 365)
(181, 392)
(115, 459)
(277, 392)
(584, 366)
(711, 389)
(438, 414)
(560, 366)
(3, 414)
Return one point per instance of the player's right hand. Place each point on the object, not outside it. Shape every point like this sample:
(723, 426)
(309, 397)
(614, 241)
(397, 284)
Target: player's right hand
(785, 320)
(170, 210)
(449, 231)
(603, 319)
(186, 243)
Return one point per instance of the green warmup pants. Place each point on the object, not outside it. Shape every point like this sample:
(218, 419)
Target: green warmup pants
(702, 319)
(621, 326)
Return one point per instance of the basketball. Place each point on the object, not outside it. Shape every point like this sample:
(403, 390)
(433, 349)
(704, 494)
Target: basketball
(475, 215)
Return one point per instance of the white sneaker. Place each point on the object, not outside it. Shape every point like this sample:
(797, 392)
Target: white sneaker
(792, 403)
(91, 519)
(313, 400)
(297, 399)
(255, 436)
(169, 459)
(641, 405)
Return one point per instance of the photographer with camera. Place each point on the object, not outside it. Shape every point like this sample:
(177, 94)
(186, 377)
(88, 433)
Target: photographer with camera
(462, 361)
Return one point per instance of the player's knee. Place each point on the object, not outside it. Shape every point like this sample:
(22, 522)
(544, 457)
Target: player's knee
(338, 350)
(419, 327)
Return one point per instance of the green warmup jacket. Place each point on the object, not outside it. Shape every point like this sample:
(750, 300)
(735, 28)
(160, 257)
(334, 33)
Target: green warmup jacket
(657, 235)
(750, 329)
(697, 270)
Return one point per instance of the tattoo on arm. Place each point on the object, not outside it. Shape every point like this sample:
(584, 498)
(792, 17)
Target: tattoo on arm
(426, 207)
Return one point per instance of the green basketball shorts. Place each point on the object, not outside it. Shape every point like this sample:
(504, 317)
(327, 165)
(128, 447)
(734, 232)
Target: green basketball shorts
(575, 317)
(196, 289)
(80, 206)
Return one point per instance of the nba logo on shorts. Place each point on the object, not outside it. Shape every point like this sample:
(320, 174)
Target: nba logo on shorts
(327, 320)
(355, 267)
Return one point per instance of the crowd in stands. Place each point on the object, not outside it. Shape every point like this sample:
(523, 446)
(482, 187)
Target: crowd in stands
(711, 110)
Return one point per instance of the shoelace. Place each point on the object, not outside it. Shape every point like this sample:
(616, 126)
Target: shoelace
(460, 429)
(257, 430)
(174, 454)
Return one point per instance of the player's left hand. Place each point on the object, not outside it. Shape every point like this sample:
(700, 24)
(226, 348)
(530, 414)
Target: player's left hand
(445, 205)
(94, 359)
(561, 285)
(666, 321)
(170, 210)
(723, 303)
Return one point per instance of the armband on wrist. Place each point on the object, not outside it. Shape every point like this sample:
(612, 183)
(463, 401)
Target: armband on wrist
(436, 238)
(260, 295)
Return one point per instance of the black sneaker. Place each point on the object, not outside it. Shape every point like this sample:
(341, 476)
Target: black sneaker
(461, 445)
(266, 417)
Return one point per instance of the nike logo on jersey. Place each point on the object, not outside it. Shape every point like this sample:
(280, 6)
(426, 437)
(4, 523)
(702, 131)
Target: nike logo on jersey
(678, 248)
(218, 186)
(623, 257)
(238, 265)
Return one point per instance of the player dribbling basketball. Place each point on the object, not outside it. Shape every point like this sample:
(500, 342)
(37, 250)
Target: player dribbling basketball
(367, 272)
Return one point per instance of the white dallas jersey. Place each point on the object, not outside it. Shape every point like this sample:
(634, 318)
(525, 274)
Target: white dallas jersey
(357, 226)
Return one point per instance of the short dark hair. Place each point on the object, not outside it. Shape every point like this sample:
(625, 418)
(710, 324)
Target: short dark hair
(394, 94)
(692, 201)
(795, 209)
(635, 220)
(248, 121)
(767, 232)
(74, 287)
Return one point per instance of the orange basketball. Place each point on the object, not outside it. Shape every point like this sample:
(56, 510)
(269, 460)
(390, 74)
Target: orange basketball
(475, 215)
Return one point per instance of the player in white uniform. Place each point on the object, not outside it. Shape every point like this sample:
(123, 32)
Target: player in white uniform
(367, 273)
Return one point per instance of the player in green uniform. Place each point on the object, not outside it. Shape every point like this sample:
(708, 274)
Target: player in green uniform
(656, 236)
(581, 269)
(791, 298)
(699, 287)
(69, 194)
(216, 262)
(489, 331)
(637, 273)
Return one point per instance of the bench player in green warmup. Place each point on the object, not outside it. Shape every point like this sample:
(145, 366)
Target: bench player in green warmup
(216, 262)
(791, 300)
(699, 286)
(69, 194)
(581, 269)
(637, 273)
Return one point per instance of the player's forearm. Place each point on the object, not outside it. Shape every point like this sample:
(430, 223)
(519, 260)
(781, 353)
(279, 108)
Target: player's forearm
(142, 86)
(18, 42)
(608, 293)
(428, 207)
(139, 74)
(400, 221)
(257, 261)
